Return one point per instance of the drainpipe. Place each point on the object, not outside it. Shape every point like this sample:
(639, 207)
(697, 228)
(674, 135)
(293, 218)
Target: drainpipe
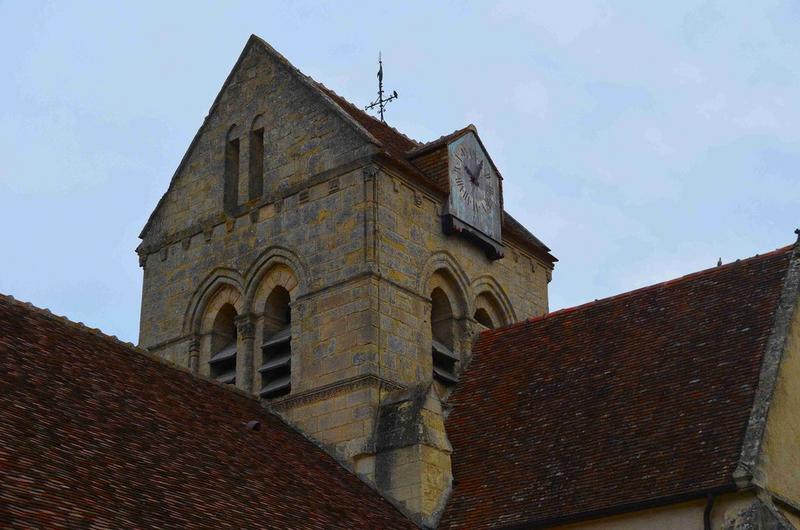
(707, 511)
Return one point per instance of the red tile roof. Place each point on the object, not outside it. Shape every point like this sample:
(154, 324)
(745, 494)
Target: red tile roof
(96, 433)
(631, 399)
(395, 142)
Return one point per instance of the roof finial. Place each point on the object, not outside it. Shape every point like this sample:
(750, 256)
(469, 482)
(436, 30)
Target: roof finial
(381, 102)
(797, 231)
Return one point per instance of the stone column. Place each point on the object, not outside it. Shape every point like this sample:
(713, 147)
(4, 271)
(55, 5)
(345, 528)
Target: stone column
(194, 355)
(244, 359)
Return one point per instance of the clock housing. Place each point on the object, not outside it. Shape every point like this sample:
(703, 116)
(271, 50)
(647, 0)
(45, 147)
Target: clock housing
(474, 207)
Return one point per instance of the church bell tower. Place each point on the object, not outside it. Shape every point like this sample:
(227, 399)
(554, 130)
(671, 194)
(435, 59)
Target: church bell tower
(314, 257)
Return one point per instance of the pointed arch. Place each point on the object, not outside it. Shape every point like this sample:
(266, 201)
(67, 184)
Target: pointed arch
(218, 280)
(442, 270)
(258, 122)
(490, 296)
(274, 282)
(296, 282)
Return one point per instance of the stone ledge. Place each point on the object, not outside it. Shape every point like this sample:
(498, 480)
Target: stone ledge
(207, 225)
(332, 389)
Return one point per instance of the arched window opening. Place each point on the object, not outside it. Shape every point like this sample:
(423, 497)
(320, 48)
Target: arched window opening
(223, 346)
(276, 351)
(256, 181)
(231, 191)
(489, 312)
(483, 318)
(442, 333)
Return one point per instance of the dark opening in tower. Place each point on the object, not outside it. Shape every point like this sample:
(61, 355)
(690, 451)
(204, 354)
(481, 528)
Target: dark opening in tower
(231, 191)
(483, 318)
(442, 333)
(276, 351)
(256, 180)
(222, 364)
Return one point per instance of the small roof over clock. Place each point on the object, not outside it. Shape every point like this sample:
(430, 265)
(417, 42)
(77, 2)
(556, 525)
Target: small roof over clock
(429, 162)
(448, 138)
(475, 202)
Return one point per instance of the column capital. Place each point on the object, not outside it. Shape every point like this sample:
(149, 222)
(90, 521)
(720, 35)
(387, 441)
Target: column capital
(245, 326)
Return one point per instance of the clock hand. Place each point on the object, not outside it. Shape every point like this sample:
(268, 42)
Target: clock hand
(476, 175)
(466, 168)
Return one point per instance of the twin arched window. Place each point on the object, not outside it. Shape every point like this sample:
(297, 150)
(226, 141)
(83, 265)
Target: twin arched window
(445, 335)
(255, 181)
(273, 358)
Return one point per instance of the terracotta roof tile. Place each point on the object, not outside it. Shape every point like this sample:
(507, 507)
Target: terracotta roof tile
(96, 433)
(635, 398)
(395, 142)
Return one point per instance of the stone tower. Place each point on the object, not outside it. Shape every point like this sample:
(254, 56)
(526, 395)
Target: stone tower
(317, 258)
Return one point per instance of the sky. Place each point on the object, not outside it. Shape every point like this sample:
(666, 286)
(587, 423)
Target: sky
(639, 140)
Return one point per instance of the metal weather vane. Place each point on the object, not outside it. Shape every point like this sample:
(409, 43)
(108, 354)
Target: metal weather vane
(381, 101)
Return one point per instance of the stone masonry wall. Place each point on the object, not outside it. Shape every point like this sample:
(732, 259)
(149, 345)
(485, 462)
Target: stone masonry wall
(412, 246)
(355, 245)
(190, 236)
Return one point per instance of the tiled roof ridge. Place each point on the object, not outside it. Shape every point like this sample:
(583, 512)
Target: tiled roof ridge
(373, 118)
(113, 339)
(443, 138)
(633, 292)
(45, 312)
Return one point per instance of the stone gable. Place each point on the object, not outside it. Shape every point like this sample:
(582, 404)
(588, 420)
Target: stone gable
(304, 135)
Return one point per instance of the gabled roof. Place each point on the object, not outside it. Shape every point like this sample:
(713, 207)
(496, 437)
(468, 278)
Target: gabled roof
(96, 433)
(261, 44)
(613, 405)
(395, 142)
(397, 145)
(442, 142)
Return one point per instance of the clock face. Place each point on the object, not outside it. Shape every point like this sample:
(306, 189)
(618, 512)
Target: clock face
(474, 186)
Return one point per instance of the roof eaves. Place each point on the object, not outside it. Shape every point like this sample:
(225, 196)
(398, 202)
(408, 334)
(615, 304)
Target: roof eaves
(418, 175)
(622, 508)
(517, 230)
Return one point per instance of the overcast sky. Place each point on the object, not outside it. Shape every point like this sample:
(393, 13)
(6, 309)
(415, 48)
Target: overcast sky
(639, 140)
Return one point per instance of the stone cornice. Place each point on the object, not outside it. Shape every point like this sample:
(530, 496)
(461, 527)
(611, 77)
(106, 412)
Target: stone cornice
(332, 389)
(208, 224)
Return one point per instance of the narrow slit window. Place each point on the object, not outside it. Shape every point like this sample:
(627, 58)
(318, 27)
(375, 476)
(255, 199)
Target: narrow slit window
(276, 351)
(231, 175)
(256, 182)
